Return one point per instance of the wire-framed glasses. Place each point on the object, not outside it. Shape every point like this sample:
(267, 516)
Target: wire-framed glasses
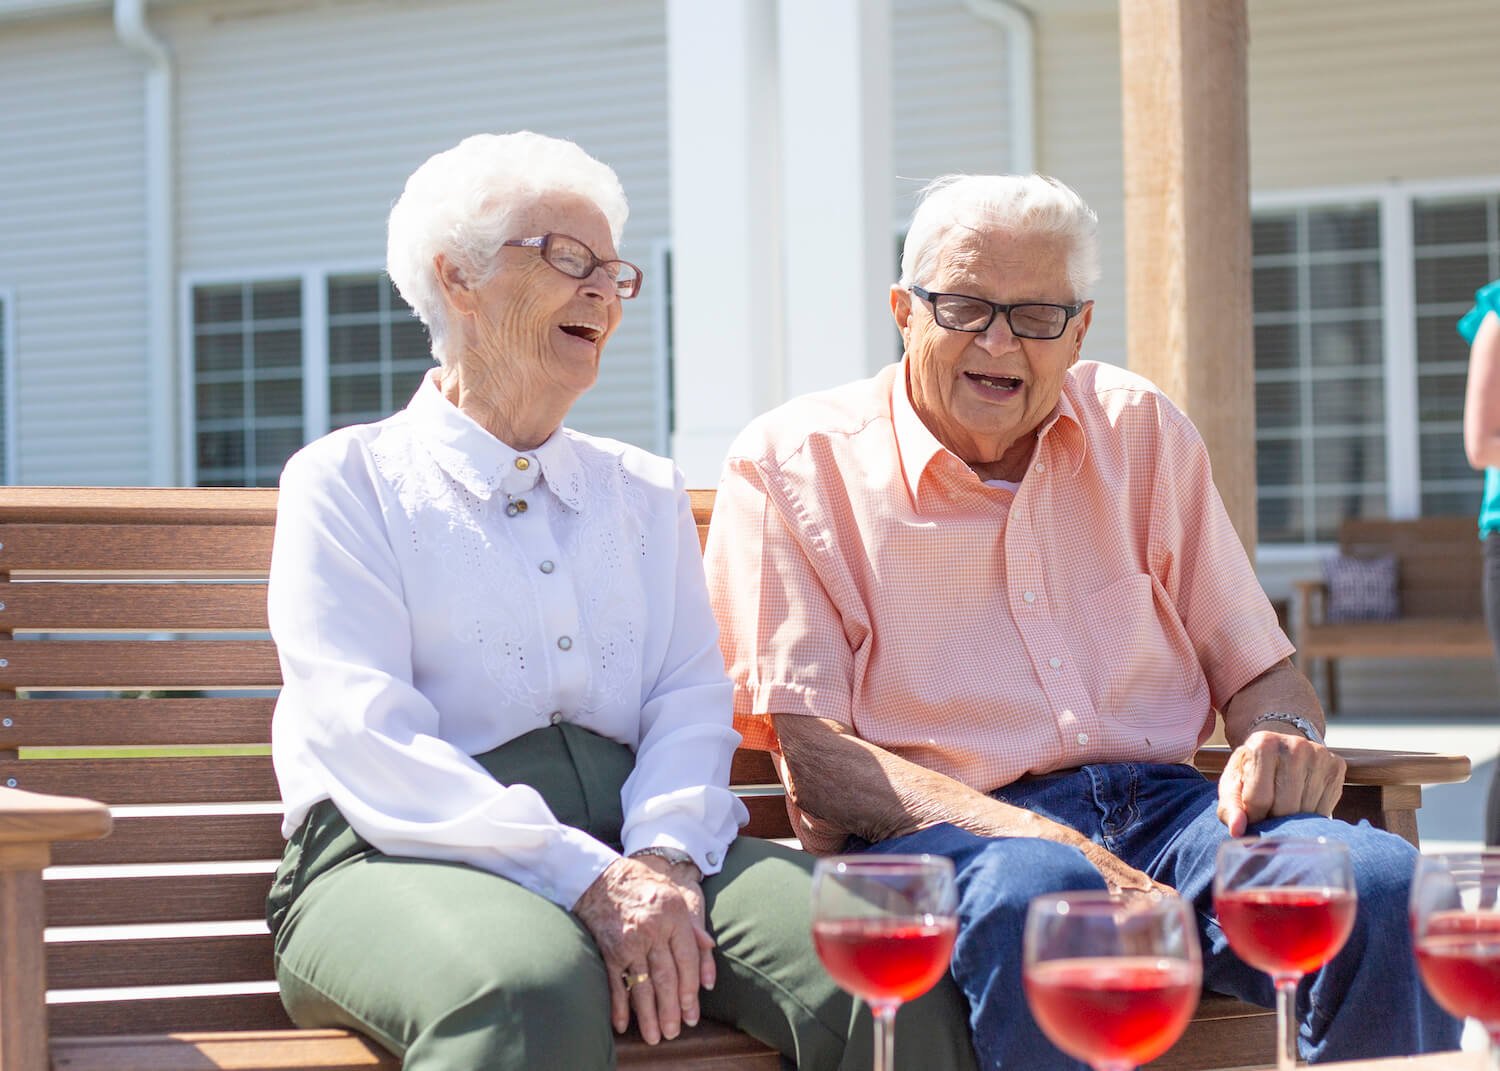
(1029, 319)
(577, 261)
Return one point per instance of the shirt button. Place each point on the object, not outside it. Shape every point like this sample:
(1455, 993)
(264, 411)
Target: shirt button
(555, 717)
(523, 463)
(1041, 467)
(1083, 738)
(1029, 596)
(713, 858)
(1055, 663)
(565, 643)
(546, 567)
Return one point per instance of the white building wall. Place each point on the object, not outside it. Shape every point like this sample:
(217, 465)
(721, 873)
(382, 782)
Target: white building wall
(72, 250)
(297, 130)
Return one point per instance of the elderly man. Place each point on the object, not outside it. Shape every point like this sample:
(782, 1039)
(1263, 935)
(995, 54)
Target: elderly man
(985, 605)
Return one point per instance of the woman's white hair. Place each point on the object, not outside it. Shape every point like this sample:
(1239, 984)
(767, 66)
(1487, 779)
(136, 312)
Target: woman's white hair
(1018, 204)
(461, 201)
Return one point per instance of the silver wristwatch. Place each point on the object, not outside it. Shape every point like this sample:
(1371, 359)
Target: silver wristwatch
(1296, 721)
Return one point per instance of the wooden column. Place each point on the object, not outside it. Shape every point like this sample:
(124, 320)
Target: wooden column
(1187, 225)
(23, 983)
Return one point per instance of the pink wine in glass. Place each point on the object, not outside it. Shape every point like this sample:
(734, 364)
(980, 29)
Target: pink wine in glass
(1286, 929)
(1459, 957)
(1113, 1010)
(885, 959)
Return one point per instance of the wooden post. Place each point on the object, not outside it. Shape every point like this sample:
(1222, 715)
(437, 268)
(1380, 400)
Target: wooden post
(23, 984)
(1187, 225)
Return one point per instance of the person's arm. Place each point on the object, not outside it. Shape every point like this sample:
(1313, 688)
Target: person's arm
(1482, 397)
(1275, 769)
(877, 795)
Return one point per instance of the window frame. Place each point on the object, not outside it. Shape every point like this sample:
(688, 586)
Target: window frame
(1395, 201)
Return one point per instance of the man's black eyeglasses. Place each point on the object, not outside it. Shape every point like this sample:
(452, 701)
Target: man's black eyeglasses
(576, 260)
(1030, 319)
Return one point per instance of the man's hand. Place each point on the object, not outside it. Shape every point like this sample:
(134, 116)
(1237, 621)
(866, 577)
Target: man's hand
(1275, 773)
(650, 932)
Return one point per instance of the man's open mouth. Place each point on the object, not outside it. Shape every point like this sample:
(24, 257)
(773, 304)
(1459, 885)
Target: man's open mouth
(996, 382)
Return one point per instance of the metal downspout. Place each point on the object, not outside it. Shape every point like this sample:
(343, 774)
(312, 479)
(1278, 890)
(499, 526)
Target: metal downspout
(1020, 45)
(161, 238)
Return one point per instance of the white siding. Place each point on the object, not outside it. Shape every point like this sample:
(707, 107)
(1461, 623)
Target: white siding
(298, 129)
(1359, 91)
(71, 197)
(950, 96)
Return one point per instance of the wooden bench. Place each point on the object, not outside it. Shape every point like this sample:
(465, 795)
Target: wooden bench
(134, 621)
(1438, 574)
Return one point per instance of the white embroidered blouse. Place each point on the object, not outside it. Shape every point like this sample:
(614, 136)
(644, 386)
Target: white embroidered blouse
(435, 594)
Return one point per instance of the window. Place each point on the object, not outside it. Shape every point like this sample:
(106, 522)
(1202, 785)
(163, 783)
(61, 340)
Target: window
(278, 362)
(1359, 373)
(377, 350)
(247, 381)
(1456, 250)
(7, 378)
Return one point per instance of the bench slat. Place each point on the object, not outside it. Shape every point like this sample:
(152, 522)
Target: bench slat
(246, 1011)
(158, 961)
(136, 722)
(281, 1050)
(139, 607)
(145, 549)
(123, 901)
(216, 779)
(187, 838)
(139, 664)
(753, 768)
(138, 505)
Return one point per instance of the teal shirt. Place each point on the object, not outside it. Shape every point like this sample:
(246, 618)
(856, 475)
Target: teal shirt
(1486, 301)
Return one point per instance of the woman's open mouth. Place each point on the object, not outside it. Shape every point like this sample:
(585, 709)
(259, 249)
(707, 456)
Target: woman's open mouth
(587, 332)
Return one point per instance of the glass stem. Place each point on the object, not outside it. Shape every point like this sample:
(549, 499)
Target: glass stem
(885, 1036)
(1286, 1022)
(1494, 1059)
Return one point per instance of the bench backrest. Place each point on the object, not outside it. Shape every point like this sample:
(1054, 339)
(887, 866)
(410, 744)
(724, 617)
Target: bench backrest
(1438, 560)
(135, 668)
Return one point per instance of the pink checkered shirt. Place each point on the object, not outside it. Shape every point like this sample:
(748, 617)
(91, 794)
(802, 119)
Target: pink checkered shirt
(861, 572)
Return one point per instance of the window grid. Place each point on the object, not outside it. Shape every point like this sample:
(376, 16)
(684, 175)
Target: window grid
(1448, 484)
(247, 362)
(1299, 500)
(377, 350)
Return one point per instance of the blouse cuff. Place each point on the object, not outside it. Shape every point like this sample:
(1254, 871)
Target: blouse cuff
(707, 850)
(576, 864)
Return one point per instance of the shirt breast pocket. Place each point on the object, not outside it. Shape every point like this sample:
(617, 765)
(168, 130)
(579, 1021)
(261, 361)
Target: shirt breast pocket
(1135, 656)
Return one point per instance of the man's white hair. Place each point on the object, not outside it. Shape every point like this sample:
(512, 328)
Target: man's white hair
(1018, 204)
(461, 201)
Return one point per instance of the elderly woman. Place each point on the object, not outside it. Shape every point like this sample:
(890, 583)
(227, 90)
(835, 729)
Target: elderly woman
(986, 604)
(504, 736)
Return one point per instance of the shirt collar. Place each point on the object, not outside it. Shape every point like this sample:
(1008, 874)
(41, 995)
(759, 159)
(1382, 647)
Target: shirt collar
(482, 463)
(918, 447)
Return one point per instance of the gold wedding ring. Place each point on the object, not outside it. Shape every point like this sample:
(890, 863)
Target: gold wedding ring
(628, 980)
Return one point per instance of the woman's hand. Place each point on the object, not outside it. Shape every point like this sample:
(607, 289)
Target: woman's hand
(647, 924)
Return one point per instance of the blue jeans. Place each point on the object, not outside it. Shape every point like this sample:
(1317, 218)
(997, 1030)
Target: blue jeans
(1162, 819)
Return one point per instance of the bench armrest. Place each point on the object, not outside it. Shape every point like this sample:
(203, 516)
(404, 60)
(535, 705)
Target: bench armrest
(29, 823)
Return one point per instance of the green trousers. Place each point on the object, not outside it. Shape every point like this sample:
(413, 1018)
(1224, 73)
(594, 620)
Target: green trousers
(453, 968)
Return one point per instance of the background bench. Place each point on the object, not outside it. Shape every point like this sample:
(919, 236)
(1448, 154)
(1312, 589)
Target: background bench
(1439, 569)
(135, 620)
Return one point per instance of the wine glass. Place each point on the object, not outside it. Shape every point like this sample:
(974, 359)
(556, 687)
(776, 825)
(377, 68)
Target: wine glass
(1287, 905)
(1111, 979)
(884, 927)
(1455, 922)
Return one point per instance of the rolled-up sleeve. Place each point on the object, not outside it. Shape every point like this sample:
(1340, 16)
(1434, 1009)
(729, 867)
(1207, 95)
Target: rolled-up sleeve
(678, 795)
(350, 720)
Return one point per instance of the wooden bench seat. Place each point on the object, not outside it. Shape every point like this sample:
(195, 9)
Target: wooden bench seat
(135, 669)
(1439, 568)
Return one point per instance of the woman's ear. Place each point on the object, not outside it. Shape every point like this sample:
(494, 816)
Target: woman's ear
(451, 279)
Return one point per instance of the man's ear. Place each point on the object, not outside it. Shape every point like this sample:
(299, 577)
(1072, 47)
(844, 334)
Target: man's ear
(901, 306)
(1085, 318)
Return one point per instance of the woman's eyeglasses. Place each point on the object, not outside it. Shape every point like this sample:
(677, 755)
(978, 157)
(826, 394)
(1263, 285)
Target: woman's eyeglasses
(577, 261)
(1030, 319)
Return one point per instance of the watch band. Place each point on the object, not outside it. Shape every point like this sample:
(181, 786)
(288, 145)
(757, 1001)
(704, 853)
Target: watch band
(1296, 721)
(671, 855)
